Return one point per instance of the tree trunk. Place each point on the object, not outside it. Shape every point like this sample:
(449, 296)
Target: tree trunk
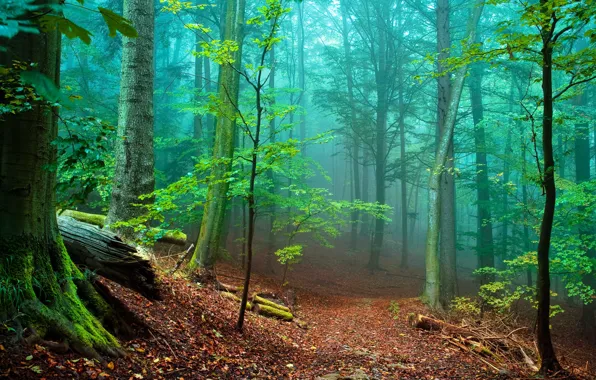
(432, 283)
(208, 243)
(365, 224)
(448, 263)
(546, 350)
(402, 150)
(51, 294)
(271, 243)
(352, 123)
(582, 174)
(484, 237)
(301, 73)
(381, 82)
(133, 174)
(107, 255)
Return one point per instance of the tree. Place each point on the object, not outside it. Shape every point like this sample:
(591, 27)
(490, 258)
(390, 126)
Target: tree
(484, 239)
(448, 267)
(133, 174)
(47, 292)
(214, 212)
(432, 281)
(352, 130)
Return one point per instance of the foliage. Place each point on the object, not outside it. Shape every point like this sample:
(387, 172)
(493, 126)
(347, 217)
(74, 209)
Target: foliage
(394, 309)
(465, 306)
(504, 291)
(85, 162)
(289, 255)
(11, 20)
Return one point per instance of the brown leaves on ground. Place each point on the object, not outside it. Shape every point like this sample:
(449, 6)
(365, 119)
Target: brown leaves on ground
(191, 334)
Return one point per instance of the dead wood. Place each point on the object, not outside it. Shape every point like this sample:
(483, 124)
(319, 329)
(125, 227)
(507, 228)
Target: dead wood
(105, 254)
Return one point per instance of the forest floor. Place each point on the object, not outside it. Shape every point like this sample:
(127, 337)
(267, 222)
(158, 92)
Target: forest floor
(351, 332)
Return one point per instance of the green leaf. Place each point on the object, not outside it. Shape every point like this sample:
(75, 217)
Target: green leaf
(117, 23)
(42, 84)
(66, 27)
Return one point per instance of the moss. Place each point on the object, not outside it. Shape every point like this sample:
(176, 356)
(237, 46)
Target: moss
(264, 301)
(50, 303)
(95, 219)
(168, 236)
(234, 297)
(273, 312)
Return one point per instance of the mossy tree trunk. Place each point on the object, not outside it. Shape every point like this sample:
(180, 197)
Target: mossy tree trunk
(432, 282)
(133, 174)
(214, 212)
(41, 287)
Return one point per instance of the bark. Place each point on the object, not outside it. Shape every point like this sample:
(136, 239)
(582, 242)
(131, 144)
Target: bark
(198, 133)
(301, 73)
(353, 132)
(381, 83)
(365, 227)
(133, 173)
(105, 254)
(432, 283)
(403, 158)
(448, 265)
(582, 174)
(208, 243)
(484, 239)
(272, 138)
(546, 350)
(51, 295)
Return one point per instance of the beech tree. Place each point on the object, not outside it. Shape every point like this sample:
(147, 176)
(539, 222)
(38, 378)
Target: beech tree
(41, 287)
(208, 243)
(432, 281)
(133, 174)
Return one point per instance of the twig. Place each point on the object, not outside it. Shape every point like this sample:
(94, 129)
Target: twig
(179, 263)
(165, 341)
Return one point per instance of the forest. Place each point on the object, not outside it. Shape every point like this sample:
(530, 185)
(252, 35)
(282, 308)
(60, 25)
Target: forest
(300, 189)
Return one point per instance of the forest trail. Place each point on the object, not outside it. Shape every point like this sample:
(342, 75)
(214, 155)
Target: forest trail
(353, 333)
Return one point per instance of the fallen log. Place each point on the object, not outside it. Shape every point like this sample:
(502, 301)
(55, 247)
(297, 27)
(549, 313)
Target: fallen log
(430, 324)
(163, 236)
(272, 312)
(233, 297)
(264, 301)
(105, 254)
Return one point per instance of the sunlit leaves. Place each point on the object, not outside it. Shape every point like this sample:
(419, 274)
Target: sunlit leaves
(177, 6)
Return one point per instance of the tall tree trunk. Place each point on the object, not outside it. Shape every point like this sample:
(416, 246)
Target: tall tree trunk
(51, 296)
(402, 150)
(582, 174)
(272, 138)
(546, 350)
(209, 134)
(432, 282)
(352, 123)
(208, 243)
(198, 119)
(365, 224)
(381, 82)
(133, 174)
(301, 73)
(448, 266)
(484, 237)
